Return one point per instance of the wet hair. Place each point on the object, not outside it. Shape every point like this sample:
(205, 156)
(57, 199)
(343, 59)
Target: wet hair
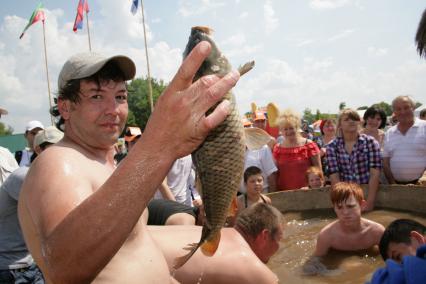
(422, 113)
(421, 35)
(399, 232)
(371, 112)
(351, 114)
(251, 171)
(314, 170)
(404, 98)
(323, 122)
(71, 90)
(341, 191)
(252, 220)
(289, 117)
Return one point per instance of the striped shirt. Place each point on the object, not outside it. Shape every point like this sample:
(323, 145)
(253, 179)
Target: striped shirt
(354, 167)
(407, 152)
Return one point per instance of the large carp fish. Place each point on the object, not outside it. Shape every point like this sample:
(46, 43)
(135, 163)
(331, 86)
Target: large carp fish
(219, 160)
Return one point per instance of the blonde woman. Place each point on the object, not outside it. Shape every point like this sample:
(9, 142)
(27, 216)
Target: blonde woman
(295, 154)
(354, 157)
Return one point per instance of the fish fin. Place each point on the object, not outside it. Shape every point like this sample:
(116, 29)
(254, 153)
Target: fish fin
(253, 108)
(255, 138)
(209, 247)
(233, 208)
(273, 114)
(181, 260)
(246, 67)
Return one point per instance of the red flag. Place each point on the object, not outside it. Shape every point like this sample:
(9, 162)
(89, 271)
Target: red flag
(82, 7)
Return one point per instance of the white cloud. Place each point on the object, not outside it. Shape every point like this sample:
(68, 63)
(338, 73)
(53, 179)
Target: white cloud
(243, 15)
(305, 42)
(341, 35)
(189, 8)
(374, 51)
(271, 21)
(327, 4)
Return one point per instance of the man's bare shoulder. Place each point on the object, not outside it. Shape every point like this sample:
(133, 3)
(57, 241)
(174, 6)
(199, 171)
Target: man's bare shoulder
(57, 163)
(60, 179)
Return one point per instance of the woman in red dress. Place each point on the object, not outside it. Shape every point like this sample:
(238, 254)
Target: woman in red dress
(295, 154)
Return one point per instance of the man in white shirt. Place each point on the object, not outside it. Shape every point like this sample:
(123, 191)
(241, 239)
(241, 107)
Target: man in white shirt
(27, 155)
(405, 144)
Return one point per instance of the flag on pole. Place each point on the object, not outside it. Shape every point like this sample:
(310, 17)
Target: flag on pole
(37, 15)
(134, 8)
(82, 7)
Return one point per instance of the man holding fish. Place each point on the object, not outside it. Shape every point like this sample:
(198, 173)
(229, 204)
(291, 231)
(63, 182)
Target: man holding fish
(80, 215)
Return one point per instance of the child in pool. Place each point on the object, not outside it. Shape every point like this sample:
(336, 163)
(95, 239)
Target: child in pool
(350, 232)
(253, 181)
(314, 177)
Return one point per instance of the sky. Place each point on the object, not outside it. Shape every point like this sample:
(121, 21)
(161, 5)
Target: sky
(309, 53)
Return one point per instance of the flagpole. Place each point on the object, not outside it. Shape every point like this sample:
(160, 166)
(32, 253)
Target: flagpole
(88, 31)
(147, 61)
(47, 74)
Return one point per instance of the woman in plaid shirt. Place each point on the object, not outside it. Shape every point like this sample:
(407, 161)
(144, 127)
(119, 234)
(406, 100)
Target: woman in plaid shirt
(354, 157)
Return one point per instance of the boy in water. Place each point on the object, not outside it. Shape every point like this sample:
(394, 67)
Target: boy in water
(253, 181)
(350, 232)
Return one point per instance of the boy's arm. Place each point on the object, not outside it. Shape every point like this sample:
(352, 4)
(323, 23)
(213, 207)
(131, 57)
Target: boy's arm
(323, 243)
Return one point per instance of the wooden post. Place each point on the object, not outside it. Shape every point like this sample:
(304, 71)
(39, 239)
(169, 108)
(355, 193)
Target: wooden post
(88, 31)
(147, 62)
(47, 75)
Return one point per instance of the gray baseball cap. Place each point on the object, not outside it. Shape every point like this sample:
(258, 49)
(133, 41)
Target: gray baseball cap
(86, 64)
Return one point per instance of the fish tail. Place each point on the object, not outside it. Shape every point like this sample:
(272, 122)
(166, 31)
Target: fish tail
(209, 247)
(181, 260)
(246, 67)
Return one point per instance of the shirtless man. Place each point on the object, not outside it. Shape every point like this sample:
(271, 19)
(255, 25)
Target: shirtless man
(242, 252)
(350, 232)
(81, 216)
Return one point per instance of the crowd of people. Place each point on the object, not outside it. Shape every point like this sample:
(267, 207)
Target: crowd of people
(75, 205)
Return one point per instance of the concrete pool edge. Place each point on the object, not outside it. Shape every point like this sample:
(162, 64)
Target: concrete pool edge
(410, 198)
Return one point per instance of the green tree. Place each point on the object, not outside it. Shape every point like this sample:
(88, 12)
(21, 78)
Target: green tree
(308, 115)
(139, 107)
(387, 108)
(417, 105)
(362, 108)
(342, 105)
(4, 131)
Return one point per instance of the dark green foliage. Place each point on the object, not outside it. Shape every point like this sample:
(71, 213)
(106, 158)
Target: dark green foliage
(139, 106)
(387, 108)
(4, 131)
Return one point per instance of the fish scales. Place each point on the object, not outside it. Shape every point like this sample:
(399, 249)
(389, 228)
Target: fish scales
(219, 160)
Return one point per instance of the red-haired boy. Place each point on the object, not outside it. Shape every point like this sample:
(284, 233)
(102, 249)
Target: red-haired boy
(350, 232)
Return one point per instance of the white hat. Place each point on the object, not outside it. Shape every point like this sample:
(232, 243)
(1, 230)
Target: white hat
(51, 134)
(33, 124)
(83, 65)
